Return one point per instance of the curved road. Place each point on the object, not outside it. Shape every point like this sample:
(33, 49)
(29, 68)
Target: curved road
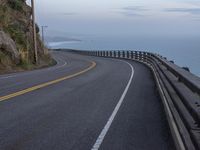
(83, 103)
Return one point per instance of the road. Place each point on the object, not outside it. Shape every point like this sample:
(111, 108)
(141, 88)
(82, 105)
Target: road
(83, 103)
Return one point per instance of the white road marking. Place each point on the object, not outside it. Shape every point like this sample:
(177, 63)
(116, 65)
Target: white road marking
(65, 63)
(27, 73)
(103, 133)
(8, 77)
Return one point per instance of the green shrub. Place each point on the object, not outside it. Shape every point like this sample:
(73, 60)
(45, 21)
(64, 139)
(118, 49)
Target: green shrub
(3, 9)
(3, 15)
(37, 28)
(25, 65)
(5, 59)
(17, 34)
(16, 4)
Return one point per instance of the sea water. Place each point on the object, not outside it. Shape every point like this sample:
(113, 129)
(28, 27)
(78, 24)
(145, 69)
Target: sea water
(184, 51)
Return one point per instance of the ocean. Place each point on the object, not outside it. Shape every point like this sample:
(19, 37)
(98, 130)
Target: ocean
(184, 51)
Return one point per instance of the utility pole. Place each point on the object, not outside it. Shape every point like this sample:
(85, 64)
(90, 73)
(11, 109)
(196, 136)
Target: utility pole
(34, 32)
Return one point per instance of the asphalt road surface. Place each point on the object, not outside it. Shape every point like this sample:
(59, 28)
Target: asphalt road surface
(83, 103)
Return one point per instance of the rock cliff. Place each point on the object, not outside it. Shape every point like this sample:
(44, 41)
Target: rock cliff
(16, 37)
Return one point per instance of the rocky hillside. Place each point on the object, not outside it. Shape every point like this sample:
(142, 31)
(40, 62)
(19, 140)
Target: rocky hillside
(16, 38)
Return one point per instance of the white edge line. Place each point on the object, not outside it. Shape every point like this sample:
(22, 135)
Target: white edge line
(171, 121)
(103, 133)
(27, 73)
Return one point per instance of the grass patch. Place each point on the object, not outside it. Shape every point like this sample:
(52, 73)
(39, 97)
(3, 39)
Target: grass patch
(25, 65)
(5, 60)
(16, 4)
(16, 33)
(4, 16)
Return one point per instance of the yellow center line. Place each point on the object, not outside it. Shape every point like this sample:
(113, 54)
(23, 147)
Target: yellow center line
(3, 98)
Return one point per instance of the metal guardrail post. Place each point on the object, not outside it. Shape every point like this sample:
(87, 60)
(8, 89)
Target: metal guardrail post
(145, 56)
(136, 55)
(118, 54)
(123, 54)
(127, 54)
(140, 56)
(114, 53)
(131, 54)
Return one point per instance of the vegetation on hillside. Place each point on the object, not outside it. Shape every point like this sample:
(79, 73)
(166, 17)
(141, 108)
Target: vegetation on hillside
(15, 20)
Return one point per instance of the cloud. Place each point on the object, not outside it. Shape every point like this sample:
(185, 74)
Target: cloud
(133, 11)
(193, 11)
(135, 8)
(131, 14)
(69, 14)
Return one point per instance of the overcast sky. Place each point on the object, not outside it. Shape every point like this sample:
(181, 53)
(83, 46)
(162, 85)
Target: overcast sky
(120, 17)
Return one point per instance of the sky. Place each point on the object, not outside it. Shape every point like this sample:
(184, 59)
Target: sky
(168, 27)
(76, 18)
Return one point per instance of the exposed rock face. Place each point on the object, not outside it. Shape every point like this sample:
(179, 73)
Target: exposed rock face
(16, 37)
(8, 46)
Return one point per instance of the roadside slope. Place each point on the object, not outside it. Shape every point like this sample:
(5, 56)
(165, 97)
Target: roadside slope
(16, 38)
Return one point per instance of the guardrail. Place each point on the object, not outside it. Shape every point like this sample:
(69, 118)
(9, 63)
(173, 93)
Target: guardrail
(180, 93)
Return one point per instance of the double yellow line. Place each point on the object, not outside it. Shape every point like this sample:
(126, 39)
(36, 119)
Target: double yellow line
(3, 98)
